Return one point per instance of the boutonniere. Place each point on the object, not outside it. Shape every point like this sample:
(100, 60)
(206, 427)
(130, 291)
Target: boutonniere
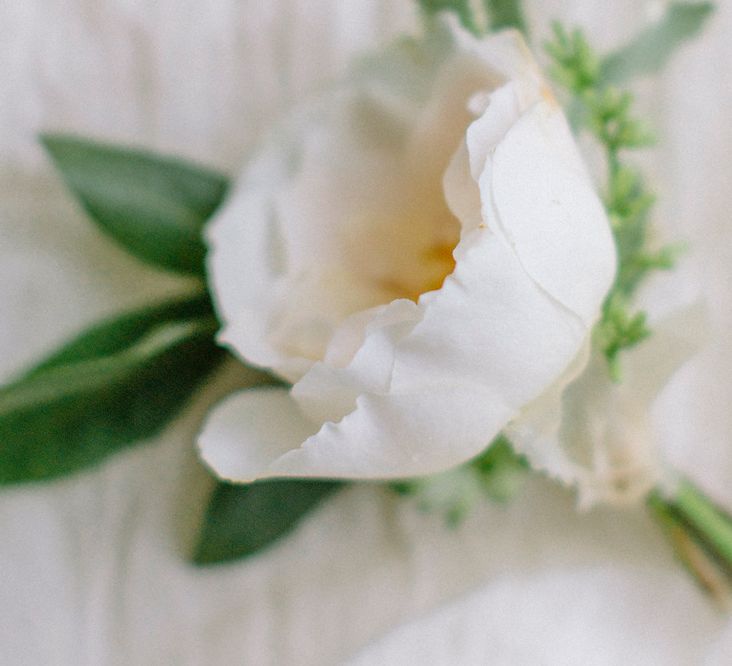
(432, 290)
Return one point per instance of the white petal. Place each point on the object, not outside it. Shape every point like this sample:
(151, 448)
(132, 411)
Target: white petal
(507, 54)
(489, 325)
(250, 429)
(485, 133)
(598, 434)
(549, 212)
(462, 194)
(257, 434)
(555, 615)
(245, 264)
(535, 433)
(328, 393)
(389, 437)
(440, 127)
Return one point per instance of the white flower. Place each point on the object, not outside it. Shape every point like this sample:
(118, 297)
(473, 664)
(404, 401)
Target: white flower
(599, 435)
(420, 252)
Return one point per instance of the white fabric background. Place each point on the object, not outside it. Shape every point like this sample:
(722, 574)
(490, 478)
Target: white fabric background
(92, 569)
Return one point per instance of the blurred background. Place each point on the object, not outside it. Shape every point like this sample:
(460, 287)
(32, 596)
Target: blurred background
(93, 568)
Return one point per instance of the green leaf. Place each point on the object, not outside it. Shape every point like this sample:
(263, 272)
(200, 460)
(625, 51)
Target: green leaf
(121, 382)
(243, 519)
(506, 14)
(461, 8)
(654, 46)
(155, 207)
(121, 331)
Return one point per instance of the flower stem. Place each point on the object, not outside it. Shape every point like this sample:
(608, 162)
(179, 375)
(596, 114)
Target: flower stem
(701, 535)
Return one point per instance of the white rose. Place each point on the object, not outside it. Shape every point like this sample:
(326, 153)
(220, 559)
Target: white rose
(420, 252)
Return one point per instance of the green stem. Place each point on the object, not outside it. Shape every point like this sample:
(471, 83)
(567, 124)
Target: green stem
(613, 160)
(701, 534)
(714, 523)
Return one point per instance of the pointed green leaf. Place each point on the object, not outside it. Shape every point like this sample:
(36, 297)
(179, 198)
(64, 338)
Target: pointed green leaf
(118, 333)
(121, 382)
(655, 45)
(155, 207)
(461, 8)
(506, 14)
(243, 519)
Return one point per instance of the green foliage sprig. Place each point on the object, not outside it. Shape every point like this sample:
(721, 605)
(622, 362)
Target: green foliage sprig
(482, 16)
(699, 530)
(607, 113)
(497, 474)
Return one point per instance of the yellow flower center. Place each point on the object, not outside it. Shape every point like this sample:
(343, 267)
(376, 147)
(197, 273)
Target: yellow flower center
(438, 263)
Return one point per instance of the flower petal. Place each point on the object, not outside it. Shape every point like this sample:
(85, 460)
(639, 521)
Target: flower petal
(250, 429)
(328, 393)
(245, 263)
(489, 325)
(487, 131)
(257, 434)
(400, 435)
(598, 435)
(535, 433)
(549, 212)
(390, 436)
(553, 614)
